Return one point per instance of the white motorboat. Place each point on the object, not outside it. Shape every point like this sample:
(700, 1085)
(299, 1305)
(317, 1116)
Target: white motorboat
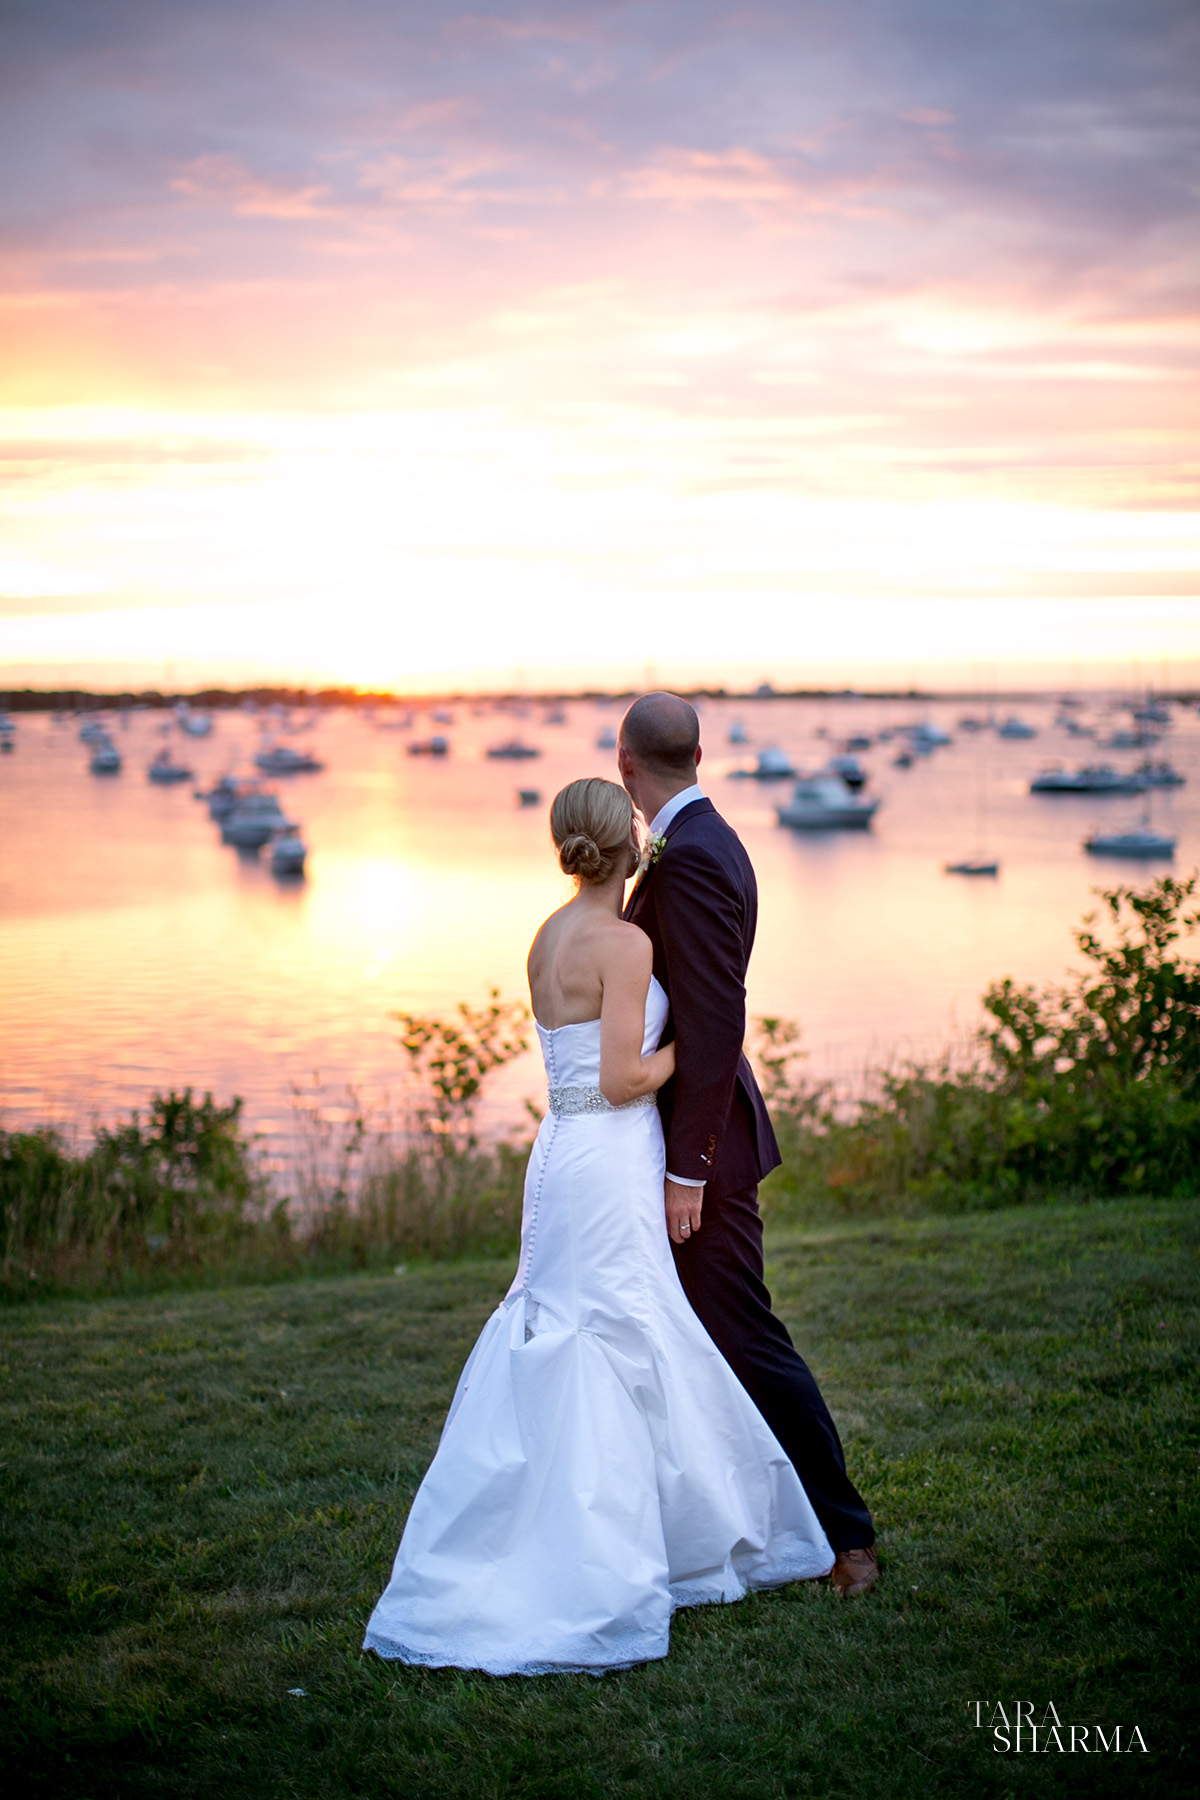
(607, 739)
(1124, 739)
(738, 733)
(106, 758)
(282, 759)
(442, 716)
(225, 795)
(194, 724)
(772, 765)
(288, 852)
(1142, 841)
(434, 746)
(927, 736)
(512, 750)
(93, 732)
(850, 770)
(822, 803)
(1160, 774)
(165, 770)
(1152, 713)
(1095, 778)
(254, 821)
(555, 715)
(1015, 728)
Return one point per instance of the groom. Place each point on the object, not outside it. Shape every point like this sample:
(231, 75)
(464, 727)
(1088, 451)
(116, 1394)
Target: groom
(698, 903)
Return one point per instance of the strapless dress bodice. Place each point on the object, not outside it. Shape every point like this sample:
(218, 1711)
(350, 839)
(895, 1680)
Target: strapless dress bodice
(572, 1052)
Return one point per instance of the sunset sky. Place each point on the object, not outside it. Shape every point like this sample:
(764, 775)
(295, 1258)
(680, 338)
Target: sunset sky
(559, 343)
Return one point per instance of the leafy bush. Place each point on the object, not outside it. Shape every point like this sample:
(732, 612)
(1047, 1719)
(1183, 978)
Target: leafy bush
(1092, 1087)
(158, 1189)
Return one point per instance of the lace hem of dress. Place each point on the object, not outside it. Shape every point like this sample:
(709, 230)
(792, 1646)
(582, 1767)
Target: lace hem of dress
(626, 1652)
(566, 1100)
(622, 1654)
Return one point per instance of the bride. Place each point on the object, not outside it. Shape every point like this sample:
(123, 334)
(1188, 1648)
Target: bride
(600, 1464)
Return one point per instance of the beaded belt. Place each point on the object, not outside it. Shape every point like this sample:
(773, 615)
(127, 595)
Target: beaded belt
(591, 1100)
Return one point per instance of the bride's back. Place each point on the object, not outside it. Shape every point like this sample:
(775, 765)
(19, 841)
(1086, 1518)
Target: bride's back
(591, 822)
(567, 963)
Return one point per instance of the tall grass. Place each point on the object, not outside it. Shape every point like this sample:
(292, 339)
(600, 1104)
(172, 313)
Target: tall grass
(1084, 1090)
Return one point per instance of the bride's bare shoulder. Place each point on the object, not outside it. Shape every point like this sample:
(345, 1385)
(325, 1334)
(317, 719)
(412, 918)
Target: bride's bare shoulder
(627, 945)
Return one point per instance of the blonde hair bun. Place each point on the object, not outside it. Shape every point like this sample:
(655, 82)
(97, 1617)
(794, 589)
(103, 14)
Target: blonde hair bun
(580, 855)
(591, 822)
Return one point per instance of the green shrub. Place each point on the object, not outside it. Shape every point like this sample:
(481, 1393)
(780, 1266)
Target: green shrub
(1092, 1087)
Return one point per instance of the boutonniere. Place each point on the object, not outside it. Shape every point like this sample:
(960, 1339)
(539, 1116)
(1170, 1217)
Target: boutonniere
(652, 849)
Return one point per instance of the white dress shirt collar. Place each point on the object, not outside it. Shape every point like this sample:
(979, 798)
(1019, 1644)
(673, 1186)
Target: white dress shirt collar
(674, 805)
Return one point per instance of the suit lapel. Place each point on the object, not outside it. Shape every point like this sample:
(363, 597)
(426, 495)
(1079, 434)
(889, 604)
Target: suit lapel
(691, 811)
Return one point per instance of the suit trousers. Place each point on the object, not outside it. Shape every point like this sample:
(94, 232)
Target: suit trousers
(721, 1269)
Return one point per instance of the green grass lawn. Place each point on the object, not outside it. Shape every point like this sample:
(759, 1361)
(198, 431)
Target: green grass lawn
(202, 1494)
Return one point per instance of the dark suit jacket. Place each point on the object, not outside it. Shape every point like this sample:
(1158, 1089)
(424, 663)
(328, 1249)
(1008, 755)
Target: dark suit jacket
(698, 905)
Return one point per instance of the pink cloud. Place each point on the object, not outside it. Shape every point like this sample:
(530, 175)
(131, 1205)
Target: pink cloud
(222, 179)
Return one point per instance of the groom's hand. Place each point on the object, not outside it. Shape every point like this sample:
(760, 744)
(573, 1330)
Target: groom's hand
(683, 1210)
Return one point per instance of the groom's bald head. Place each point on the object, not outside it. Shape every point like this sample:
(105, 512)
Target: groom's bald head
(661, 733)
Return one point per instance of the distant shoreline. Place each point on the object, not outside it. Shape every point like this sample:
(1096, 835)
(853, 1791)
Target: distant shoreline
(36, 700)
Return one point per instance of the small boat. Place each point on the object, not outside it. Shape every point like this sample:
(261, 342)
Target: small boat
(434, 746)
(822, 803)
(512, 750)
(194, 724)
(607, 739)
(1160, 774)
(1096, 778)
(860, 741)
(288, 852)
(969, 722)
(772, 765)
(974, 865)
(555, 715)
(904, 760)
(93, 732)
(927, 736)
(1129, 740)
(738, 733)
(165, 770)
(226, 794)
(106, 759)
(1015, 728)
(1152, 713)
(1143, 841)
(254, 821)
(441, 715)
(282, 759)
(850, 770)
(529, 797)
(391, 720)
(6, 745)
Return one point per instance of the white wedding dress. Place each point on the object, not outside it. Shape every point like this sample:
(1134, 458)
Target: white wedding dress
(601, 1464)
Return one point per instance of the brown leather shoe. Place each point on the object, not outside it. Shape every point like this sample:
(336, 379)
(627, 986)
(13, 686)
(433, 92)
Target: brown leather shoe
(854, 1571)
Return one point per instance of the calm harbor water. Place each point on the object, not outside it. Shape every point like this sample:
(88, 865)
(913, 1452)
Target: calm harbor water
(138, 951)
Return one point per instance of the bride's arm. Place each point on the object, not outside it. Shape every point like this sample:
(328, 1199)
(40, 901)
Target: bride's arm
(625, 1074)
